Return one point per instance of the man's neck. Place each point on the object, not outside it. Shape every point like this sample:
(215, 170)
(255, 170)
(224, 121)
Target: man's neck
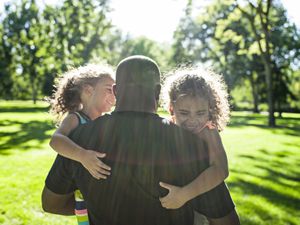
(120, 108)
(137, 101)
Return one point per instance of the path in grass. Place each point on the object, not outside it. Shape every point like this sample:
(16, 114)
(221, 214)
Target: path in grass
(264, 166)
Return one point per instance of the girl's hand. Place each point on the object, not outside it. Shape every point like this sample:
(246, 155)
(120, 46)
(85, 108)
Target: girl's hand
(174, 199)
(90, 160)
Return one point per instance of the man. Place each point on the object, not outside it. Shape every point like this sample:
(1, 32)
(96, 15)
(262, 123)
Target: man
(142, 150)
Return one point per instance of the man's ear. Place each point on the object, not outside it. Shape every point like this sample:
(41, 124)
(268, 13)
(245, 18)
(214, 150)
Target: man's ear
(171, 110)
(157, 91)
(114, 89)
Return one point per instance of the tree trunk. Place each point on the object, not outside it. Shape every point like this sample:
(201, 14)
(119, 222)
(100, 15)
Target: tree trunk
(279, 109)
(271, 117)
(254, 94)
(34, 92)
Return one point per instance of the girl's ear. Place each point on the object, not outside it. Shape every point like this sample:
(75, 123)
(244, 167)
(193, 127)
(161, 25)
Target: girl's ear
(171, 110)
(88, 89)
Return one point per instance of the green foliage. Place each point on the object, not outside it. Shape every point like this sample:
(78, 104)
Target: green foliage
(37, 45)
(222, 36)
(137, 46)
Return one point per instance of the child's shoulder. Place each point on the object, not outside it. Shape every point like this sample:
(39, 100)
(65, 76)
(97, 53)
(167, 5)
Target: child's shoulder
(71, 120)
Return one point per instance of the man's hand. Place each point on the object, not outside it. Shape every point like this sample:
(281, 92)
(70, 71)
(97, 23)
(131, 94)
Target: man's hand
(175, 198)
(90, 160)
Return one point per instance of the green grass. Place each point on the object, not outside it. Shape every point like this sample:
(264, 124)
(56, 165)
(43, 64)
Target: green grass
(25, 159)
(264, 166)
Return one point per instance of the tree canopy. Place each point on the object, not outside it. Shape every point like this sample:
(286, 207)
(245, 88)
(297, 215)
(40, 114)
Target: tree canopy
(251, 42)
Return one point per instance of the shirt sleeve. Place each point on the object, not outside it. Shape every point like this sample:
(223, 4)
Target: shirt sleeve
(60, 177)
(215, 203)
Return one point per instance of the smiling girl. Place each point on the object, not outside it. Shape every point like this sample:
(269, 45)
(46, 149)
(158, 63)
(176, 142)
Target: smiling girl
(198, 101)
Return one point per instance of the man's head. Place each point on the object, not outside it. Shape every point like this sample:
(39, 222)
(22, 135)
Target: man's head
(137, 84)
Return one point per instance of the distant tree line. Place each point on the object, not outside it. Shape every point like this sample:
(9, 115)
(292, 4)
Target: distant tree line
(250, 42)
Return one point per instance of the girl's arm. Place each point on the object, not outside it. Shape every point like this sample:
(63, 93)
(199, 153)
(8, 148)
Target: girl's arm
(69, 149)
(216, 173)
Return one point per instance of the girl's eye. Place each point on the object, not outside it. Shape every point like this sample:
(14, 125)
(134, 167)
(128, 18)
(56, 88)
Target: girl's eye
(202, 113)
(183, 113)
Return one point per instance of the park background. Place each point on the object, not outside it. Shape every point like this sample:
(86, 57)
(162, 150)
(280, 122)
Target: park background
(254, 44)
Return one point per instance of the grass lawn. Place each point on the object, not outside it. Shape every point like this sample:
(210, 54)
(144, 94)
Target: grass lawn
(264, 166)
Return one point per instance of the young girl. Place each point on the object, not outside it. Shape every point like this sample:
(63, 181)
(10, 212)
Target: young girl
(198, 102)
(82, 94)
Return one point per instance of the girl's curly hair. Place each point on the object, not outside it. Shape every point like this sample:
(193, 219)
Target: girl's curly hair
(69, 86)
(203, 83)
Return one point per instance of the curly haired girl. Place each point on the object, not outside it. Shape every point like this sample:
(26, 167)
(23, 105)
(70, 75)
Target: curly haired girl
(82, 94)
(198, 101)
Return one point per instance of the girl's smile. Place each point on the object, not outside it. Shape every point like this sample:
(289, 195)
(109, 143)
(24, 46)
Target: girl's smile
(191, 112)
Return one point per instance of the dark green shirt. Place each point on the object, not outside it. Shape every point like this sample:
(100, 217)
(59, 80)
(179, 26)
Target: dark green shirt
(142, 150)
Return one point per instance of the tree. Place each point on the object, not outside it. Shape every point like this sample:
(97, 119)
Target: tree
(241, 41)
(78, 30)
(261, 30)
(136, 46)
(5, 65)
(37, 45)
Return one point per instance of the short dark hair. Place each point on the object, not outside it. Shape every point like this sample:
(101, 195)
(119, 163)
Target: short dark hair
(138, 70)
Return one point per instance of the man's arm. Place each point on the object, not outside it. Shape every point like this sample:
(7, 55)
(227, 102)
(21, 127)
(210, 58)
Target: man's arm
(58, 192)
(231, 219)
(63, 204)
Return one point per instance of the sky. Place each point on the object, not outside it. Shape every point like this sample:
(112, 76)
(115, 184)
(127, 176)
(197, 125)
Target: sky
(158, 19)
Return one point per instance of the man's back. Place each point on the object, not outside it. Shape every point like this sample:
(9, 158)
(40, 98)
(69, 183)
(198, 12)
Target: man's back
(142, 150)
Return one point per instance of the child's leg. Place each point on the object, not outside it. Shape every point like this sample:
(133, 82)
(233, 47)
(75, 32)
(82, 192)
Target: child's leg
(200, 219)
(231, 219)
(80, 209)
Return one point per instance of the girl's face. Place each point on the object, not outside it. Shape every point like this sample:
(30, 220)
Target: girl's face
(102, 95)
(191, 112)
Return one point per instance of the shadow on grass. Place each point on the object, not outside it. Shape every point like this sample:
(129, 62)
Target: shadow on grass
(276, 168)
(16, 109)
(33, 130)
(256, 208)
(277, 199)
(287, 126)
(279, 164)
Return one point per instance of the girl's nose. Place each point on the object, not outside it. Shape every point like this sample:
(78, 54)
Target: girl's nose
(191, 120)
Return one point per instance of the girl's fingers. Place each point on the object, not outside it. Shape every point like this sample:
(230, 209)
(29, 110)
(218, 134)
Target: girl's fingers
(165, 206)
(96, 176)
(104, 166)
(99, 176)
(100, 155)
(102, 177)
(102, 171)
(166, 186)
(162, 200)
